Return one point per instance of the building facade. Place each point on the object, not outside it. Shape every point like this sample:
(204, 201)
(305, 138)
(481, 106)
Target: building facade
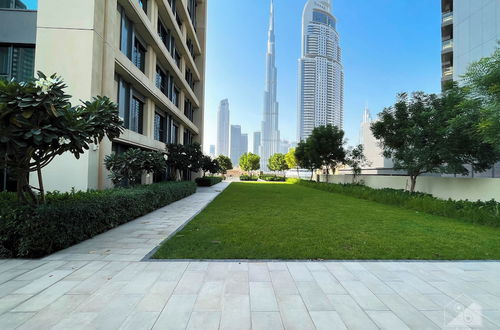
(222, 146)
(244, 144)
(321, 77)
(256, 143)
(270, 134)
(146, 55)
(17, 53)
(470, 30)
(235, 145)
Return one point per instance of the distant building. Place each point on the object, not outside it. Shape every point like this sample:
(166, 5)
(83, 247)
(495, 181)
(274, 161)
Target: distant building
(244, 144)
(256, 143)
(470, 31)
(212, 151)
(235, 144)
(371, 147)
(285, 146)
(222, 146)
(321, 76)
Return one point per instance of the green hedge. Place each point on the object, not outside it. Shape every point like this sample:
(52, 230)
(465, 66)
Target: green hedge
(245, 177)
(208, 181)
(484, 213)
(274, 178)
(69, 218)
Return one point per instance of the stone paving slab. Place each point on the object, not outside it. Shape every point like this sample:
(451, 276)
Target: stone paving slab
(103, 284)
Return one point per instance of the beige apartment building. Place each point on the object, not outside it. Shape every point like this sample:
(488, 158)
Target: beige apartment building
(146, 55)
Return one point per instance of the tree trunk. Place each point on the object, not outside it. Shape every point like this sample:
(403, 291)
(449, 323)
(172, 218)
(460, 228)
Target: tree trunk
(298, 173)
(413, 182)
(40, 183)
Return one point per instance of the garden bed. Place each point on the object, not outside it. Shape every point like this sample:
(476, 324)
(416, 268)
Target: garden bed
(69, 218)
(208, 181)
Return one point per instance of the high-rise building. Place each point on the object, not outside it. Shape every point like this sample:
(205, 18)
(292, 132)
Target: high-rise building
(148, 56)
(256, 143)
(470, 31)
(235, 145)
(270, 138)
(222, 147)
(212, 151)
(244, 144)
(321, 77)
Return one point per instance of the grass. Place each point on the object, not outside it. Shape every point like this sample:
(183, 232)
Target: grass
(287, 221)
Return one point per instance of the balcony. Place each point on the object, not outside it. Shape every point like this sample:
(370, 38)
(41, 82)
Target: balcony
(447, 46)
(447, 73)
(447, 18)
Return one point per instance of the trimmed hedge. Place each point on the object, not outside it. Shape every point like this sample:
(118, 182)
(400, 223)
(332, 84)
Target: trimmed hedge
(245, 177)
(483, 213)
(273, 178)
(208, 181)
(69, 218)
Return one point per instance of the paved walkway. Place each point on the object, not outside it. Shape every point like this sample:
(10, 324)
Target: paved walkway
(102, 284)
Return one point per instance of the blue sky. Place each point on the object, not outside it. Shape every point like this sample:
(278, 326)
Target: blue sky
(31, 4)
(388, 46)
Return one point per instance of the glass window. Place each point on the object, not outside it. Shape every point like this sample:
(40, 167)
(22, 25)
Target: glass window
(175, 133)
(144, 5)
(139, 55)
(23, 63)
(159, 127)
(175, 96)
(124, 101)
(126, 36)
(165, 34)
(136, 115)
(4, 62)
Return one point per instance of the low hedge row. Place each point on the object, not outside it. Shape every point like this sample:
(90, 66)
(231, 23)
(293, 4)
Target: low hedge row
(245, 177)
(274, 178)
(69, 218)
(484, 213)
(208, 181)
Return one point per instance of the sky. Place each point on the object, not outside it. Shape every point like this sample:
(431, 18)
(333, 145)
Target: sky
(31, 4)
(388, 46)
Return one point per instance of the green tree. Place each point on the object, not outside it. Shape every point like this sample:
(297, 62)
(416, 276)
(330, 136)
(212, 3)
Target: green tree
(326, 144)
(209, 165)
(291, 160)
(356, 159)
(128, 167)
(38, 123)
(249, 162)
(305, 158)
(277, 163)
(224, 163)
(432, 134)
(183, 158)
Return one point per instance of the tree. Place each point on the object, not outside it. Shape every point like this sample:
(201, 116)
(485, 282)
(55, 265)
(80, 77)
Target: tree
(305, 158)
(224, 164)
(194, 156)
(326, 143)
(209, 165)
(431, 134)
(38, 123)
(249, 162)
(184, 158)
(356, 159)
(277, 163)
(128, 167)
(291, 160)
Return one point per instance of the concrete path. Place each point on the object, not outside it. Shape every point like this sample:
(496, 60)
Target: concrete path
(102, 284)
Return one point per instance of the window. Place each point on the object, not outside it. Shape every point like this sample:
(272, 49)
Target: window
(159, 127)
(130, 107)
(139, 55)
(190, 47)
(175, 96)
(191, 7)
(175, 133)
(17, 62)
(188, 137)
(16, 4)
(190, 78)
(189, 110)
(165, 35)
(177, 58)
(323, 18)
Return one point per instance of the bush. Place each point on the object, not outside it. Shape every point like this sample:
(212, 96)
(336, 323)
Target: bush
(245, 177)
(69, 218)
(208, 181)
(484, 213)
(274, 178)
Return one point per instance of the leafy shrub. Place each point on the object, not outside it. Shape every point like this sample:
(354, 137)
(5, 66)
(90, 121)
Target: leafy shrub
(274, 178)
(208, 181)
(484, 213)
(69, 218)
(245, 177)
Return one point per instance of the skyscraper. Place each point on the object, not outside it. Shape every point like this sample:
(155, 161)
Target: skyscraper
(256, 143)
(244, 144)
(321, 77)
(235, 147)
(222, 146)
(270, 138)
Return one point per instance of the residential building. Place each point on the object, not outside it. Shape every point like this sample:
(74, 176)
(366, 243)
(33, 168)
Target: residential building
(270, 138)
(222, 146)
(244, 144)
(256, 143)
(17, 52)
(321, 77)
(470, 30)
(235, 144)
(146, 55)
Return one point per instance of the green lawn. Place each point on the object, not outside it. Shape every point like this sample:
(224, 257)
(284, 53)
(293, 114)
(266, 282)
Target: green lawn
(287, 221)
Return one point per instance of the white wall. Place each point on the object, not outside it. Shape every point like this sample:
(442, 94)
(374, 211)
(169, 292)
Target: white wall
(455, 188)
